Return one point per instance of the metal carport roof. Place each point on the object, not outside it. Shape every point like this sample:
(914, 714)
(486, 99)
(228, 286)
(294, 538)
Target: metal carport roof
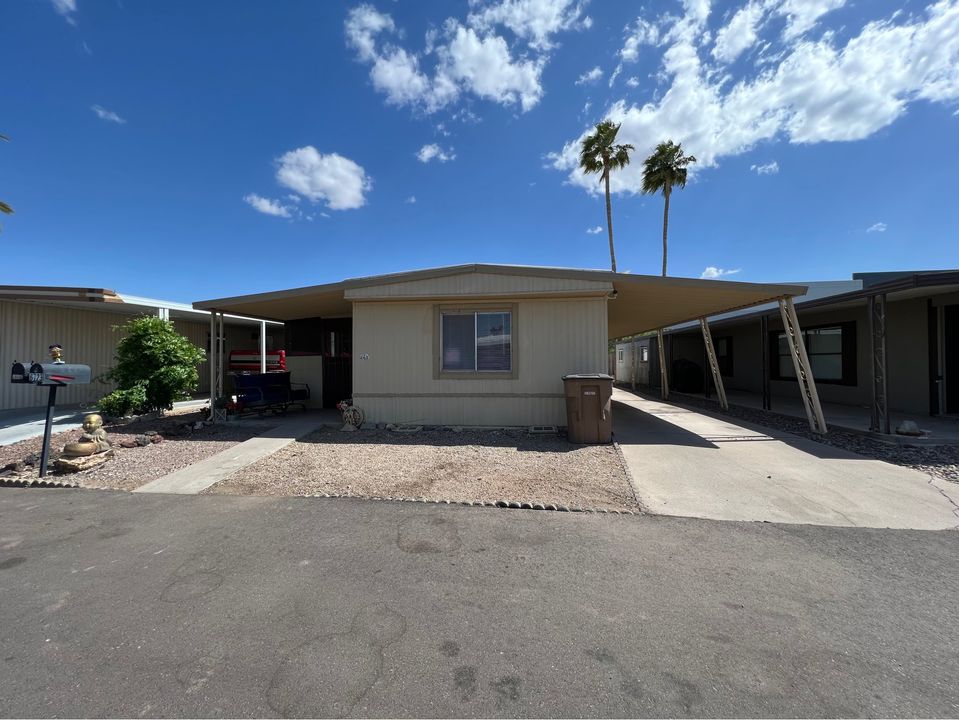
(638, 303)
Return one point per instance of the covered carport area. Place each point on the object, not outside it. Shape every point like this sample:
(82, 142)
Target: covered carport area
(643, 304)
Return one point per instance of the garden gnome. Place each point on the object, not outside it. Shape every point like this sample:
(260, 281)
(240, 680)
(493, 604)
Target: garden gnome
(92, 441)
(56, 354)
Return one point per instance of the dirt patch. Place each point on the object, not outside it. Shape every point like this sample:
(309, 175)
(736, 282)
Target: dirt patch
(133, 467)
(441, 465)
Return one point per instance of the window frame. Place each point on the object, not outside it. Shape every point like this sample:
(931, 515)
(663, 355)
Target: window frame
(440, 310)
(848, 354)
(644, 353)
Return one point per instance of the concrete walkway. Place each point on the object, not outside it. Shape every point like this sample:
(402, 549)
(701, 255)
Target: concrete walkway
(201, 475)
(689, 464)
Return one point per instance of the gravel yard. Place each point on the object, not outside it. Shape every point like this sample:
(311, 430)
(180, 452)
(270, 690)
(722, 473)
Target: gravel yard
(132, 467)
(940, 461)
(460, 466)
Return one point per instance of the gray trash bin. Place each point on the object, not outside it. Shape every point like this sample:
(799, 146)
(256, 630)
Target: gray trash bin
(589, 408)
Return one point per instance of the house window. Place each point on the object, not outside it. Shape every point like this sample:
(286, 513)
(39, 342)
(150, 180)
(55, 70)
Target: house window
(724, 355)
(620, 354)
(831, 350)
(644, 353)
(476, 342)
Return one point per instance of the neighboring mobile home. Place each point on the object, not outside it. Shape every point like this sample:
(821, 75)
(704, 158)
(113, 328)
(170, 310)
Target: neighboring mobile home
(892, 333)
(483, 345)
(83, 321)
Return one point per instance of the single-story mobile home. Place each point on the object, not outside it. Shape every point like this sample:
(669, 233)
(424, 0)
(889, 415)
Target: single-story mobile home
(484, 345)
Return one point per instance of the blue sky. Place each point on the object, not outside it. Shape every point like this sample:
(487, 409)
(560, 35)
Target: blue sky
(189, 150)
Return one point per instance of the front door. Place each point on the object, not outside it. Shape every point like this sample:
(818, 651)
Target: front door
(950, 348)
(337, 380)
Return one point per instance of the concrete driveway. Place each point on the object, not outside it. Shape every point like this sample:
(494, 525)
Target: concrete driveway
(690, 464)
(124, 605)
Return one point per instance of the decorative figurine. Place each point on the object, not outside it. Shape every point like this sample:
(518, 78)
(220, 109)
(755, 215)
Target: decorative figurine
(56, 354)
(92, 441)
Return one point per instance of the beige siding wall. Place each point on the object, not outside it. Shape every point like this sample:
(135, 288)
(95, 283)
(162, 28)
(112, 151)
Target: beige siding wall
(552, 338)
(87, 336)
(477, 284)
(632, 353)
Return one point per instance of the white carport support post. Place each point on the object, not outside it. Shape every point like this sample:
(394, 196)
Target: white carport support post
(663, 375)
(262, 346)
(713, 363)
(216, 366)
(807, 383)
(211, 359)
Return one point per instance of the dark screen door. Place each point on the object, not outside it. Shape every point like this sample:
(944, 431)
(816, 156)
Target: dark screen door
(950, 346)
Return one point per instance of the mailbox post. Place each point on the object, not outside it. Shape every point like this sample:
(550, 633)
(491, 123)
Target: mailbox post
(52, 375)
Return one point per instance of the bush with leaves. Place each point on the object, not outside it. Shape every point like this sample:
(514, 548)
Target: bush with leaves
(155, 367)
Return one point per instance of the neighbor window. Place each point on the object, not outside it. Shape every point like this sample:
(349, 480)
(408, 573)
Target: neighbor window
(724, 355)
(476, 342)
(644, 353)
(831, 350)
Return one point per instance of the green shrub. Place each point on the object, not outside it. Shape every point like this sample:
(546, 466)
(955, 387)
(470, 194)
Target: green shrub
(155, 367)
(120, 403)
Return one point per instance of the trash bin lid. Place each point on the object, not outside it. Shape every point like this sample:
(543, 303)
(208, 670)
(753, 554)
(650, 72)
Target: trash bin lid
(588, 376)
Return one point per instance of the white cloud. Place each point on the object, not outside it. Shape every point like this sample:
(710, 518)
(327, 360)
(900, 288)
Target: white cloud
(435, 152)
(739, 34)
(108, 115)
(411, 200)
(714, 273)
(815, 90)
(66, 9)
(802, 15)
(468, 58)
(267, 206)
(484, 66)
(594, 230)
(333, 179)
(363, 24)
(590, 76)
(632, 82)
(535, 21)
(770, 168)
(878, 227)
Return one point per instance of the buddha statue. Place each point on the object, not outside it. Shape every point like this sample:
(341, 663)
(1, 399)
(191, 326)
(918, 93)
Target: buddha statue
(92, 441)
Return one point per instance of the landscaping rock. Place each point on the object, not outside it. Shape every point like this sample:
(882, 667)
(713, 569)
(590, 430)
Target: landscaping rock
(908, 427)
(79, 464)
(13, 467)
(128, 443)
(142, 440)
(155, 438)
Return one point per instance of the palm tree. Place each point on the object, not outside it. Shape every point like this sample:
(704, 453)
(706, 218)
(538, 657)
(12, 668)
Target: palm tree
(600, 154)
(4, 208)
(662, 170)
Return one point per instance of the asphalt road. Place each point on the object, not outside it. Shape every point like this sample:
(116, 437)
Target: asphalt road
(114, 604)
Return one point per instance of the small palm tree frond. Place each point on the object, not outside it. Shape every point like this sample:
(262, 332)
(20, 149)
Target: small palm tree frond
(4, 138)
(5, 209)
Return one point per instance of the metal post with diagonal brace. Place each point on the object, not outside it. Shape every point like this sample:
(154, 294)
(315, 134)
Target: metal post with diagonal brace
(663, 374)
(797, 349)
(713, 363)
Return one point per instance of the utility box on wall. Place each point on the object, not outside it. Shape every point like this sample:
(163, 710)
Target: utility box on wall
(589, 412)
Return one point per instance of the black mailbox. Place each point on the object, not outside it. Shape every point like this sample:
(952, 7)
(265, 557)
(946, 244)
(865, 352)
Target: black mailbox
(50, 374)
